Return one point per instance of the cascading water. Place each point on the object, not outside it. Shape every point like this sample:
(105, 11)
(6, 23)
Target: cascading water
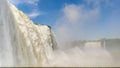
(7, 54)
(23, 43)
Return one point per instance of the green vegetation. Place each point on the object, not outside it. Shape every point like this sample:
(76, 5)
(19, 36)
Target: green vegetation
(49, 26)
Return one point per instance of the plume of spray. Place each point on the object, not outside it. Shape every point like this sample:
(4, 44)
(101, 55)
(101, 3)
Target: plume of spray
(73, 25)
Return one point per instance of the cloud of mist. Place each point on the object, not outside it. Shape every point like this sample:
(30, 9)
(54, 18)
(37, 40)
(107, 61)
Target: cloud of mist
(83, 21)
(75, 57)
(69, 26)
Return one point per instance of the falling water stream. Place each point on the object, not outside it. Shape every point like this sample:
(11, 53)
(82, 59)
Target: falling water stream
(39, 47)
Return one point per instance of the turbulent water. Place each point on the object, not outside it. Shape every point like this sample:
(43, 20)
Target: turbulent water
(23, 43)
(77, 57)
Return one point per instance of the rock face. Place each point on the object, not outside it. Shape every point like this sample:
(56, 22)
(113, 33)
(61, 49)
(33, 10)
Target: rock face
(23, 43)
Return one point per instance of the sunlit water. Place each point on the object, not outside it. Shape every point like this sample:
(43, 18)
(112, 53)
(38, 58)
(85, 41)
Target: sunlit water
(19, 48)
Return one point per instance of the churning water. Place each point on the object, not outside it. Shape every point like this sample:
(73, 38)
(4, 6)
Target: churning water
(93, 57)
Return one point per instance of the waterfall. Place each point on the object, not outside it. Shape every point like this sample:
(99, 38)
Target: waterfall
(22, 43)
(7, 30)
(25, 44)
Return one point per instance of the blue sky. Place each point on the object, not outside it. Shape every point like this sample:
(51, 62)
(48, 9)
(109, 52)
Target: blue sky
(48, 10)
(75, 19)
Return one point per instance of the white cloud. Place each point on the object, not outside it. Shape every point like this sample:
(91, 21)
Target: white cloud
(32, 3)
(70, 25)
(83, 21)
(34, 14)
(71, 12)
(17, 2)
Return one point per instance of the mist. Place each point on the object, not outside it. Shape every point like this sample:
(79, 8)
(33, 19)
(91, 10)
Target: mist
(81, 36)
(85, 35)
